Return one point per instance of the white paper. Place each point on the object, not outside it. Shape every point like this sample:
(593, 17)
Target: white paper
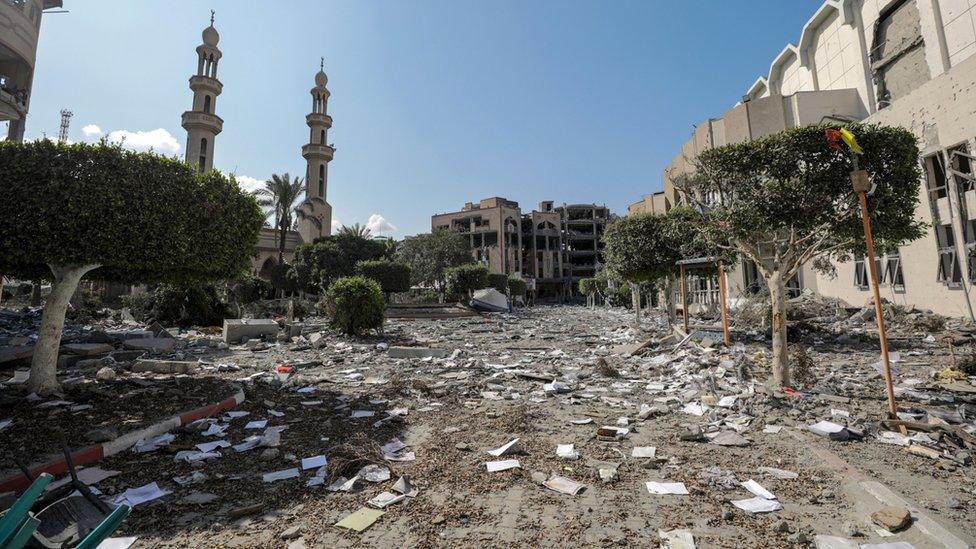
(249, 443)
(564, 485)
(757, 489)
(215, 430)
(234, 414)
(259, 424)
(313, 462)
(211, 446)
(5, 423)
(508, 448)
(20, 376)
(280, 475)
(117, 543)
(567, 451)
(694, 409)
(385, 499)
(772, 429)
(374, 473)
(190, 456)
(757, 505)
(833, 542)
(404, 486)
(584, 421)
(305, 390)
(643, 452)
(888, 545)
(154, 443)
(88, 475)
(667, 488)
(676, 539)
(781, 474)
(393, 447)
(140, 495)
(826, 428)
(276, 413)
(311, 402)
(726, 401)
(362, 413)
(503, 465)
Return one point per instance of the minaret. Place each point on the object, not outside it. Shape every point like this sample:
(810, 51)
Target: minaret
(200, 123)
(317, 153)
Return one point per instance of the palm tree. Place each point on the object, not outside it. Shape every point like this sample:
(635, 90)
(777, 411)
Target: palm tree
(280, 195)
(356, 229)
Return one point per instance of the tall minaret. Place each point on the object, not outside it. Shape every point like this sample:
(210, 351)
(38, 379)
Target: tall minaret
(318, 153)
(200, 123)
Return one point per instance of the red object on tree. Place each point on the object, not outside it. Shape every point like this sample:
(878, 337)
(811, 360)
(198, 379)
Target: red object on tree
(833, 139)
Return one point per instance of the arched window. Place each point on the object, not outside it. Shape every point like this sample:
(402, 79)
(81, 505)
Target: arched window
(322, 137)
(203, 154)
(206, 104)
(322, 180)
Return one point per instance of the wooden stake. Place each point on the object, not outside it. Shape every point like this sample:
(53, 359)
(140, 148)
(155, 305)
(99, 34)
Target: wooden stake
(725, 307)
(861, 185)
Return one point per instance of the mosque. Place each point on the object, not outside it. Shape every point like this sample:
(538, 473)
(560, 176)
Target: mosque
(202, 126)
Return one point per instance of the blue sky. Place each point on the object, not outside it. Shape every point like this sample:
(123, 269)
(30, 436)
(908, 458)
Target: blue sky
(435, 102)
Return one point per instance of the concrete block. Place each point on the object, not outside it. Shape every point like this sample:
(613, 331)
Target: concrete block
(416, 352)
(87, 349)
(164, 366)
(14, 353)
(317, 340)
(242, 329)
(154, 344)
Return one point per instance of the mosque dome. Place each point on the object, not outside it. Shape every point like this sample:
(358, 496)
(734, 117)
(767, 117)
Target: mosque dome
(321, 79)
(211, 36)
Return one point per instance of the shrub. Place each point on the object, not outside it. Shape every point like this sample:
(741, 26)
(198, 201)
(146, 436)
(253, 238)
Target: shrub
(391, 276)
(497, 281)
(198, 305)
(248, 289)
(589, 287)
(516, 286)
(329, 258)
(355, 305)
(621, 297)
(465, 279)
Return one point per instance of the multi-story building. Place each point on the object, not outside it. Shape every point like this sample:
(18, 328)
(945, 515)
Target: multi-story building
(554, 246)
(907, 63)
(20, 26)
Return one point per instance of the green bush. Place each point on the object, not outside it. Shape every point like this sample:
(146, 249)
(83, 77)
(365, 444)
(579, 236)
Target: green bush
(391, 276)
(329, 258)
(589, 286)
(497, 281)
(516, 286)
(355, 305)
(621, 297)
(25, 288)
(248, 289)
(465, 279)
(198, 305)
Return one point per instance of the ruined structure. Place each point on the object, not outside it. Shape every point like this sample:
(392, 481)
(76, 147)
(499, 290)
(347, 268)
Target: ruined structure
(554, 247)
(20, 27)
(906, 63)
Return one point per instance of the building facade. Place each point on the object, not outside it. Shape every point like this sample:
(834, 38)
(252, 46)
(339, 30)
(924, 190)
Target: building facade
(20, 28)
(553, 246)
(907, 63)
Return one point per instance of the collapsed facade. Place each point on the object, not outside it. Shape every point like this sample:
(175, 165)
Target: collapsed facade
(20, 27)
(202, 126)
(907, 63)
(553, 247)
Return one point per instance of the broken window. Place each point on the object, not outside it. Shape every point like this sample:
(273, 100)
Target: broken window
(892, 273)
(898, 53)
(203, 154)
(860, 274)
(949, 272)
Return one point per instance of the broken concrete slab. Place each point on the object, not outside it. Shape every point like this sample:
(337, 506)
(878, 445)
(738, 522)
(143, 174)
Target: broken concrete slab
(153, 344)
(15, 353)
(87, 349)
(416, 352)
(237, 330)
(164, 366)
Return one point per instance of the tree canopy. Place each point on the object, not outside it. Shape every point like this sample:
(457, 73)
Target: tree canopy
(465, 279)
(329, 258)
(430, 254)
(391, 276)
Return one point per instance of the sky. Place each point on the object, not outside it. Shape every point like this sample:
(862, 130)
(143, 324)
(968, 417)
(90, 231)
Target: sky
(434, 102)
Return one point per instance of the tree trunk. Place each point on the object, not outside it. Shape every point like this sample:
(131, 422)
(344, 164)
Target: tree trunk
(781, 356)
(635, 299)
(43, 375)
(35, 298)
(669, 300)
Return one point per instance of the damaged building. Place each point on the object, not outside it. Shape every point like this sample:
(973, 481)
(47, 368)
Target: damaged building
(907, 63)
(554, 246)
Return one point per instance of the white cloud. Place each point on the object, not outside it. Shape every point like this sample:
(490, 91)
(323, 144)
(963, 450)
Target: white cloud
(248, 183)
(336, 225)
(159, 140)
(92, 130)
(378, 224)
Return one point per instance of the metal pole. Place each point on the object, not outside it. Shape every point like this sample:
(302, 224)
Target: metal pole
(861, 184)
(725, 307)
(684, 298)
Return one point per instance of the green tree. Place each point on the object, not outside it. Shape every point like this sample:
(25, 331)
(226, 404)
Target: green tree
(355, 305)
(280, 196)
(391, 276)
(498, 281)
(329, 258)
(590, 287)
(786, 200)
(430, 255)
(72, 211)
(465, 279)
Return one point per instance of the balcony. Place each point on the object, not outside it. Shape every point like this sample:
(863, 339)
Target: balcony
(193, 120)
(314, 150)
(318, 119)
(12, 106)
(206, 83)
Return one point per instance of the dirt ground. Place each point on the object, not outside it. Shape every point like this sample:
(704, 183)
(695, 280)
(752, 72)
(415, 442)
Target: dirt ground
(488, 390)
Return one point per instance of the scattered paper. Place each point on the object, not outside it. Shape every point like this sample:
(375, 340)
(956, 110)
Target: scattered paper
(564, 485)
(193, 478)
(260, 424)
(87, 475)
(584, 421)
(757, 505)
(385, 499)
(211, 446)
(694, 409)
(5, 423)
(20, 377)
(757, 489)
(772, 429)
(117, 543)
(643, 452)
(404, 486)
(314, 462)
(374, 473)
(726, 401)
(503, 465)
(360, 520)
(234, 414)
(362, 413)
(676, 539)
(567, 451)
(509, 448)
(781, 474)
(667, 488)
(833, 542)
(140, 495)
(280, 475)
(154, 443)
(215, 430)
(190, 456)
